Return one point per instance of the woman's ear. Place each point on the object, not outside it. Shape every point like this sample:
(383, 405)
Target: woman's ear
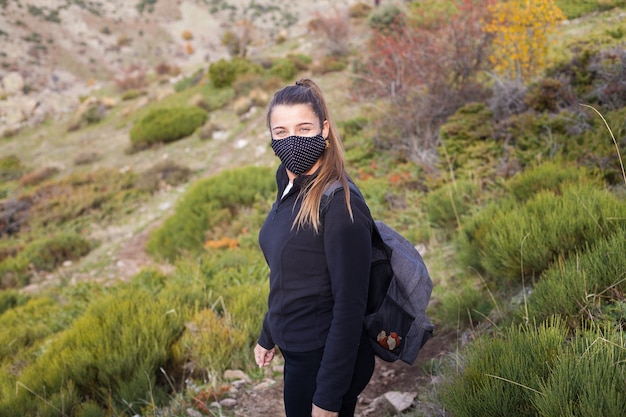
(325, 129)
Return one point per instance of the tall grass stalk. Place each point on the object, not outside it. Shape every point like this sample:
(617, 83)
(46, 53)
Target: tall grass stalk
(39, 397)
(619, 155)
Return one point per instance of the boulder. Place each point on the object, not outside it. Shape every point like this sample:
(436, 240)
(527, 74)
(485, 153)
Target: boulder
(13, 84)
(390, 403)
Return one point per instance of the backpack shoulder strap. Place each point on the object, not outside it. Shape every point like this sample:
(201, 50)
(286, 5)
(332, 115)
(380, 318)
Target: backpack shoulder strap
(336, 186)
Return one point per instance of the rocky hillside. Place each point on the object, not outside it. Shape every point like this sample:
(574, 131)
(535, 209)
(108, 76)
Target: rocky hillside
(54, 51)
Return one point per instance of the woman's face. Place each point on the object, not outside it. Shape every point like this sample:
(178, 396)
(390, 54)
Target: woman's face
(295, 120)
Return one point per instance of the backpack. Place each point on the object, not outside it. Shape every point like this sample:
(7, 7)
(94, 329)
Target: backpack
(399, 290)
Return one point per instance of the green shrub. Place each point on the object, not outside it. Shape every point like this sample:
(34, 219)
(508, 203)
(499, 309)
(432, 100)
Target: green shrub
(189, 82)
(10, 299)
(302, 62)
(223, 73)
(284, 68)
(164, 125)
(386, 18)
(447, 205)
(14, 272)
(48, 253)
(467, 142)
(583, 288)
(538, 137)
(462, 304)
(112, 355)
(549, 176)
(511, 242)
(545, 371)
(575, 9)
(588, 380)
(352, 127)
(207, 204)
(11, 168)
(24, 325)
(499, 374)
(209, 342)
(132, 94)
(43, 254)
(330, 63)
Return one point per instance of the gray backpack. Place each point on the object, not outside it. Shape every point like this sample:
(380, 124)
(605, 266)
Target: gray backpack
(399, 290)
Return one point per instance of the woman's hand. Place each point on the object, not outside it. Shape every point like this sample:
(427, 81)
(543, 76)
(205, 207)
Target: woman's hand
(263, 356)
(320, 412)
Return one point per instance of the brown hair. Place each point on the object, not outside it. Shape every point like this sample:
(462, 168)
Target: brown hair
(332, 166)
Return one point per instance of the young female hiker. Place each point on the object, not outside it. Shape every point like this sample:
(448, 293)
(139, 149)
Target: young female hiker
(319, 267)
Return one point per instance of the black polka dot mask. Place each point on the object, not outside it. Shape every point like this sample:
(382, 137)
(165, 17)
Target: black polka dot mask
(299, 153)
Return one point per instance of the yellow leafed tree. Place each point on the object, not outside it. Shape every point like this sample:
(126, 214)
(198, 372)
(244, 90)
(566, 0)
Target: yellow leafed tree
(522, 31)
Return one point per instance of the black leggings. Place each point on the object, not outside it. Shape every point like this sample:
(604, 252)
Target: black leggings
(300, 380)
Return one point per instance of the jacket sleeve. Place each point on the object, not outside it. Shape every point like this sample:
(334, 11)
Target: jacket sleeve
(348, 246)
(265, 339)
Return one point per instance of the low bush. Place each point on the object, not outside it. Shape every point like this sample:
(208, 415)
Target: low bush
(548, 176)
(588, 379)
(359, 10)
(207, 204)
(10, 299)
(110, 356)
(511, 242)
(79, 198)
(161, 174)
(38, 176)
(462, 304)
(386, 18)
(11, 168)
(223, 72)
(86, 158)
(467, 142)
(549, 95)
(190, 81)
(14, 272)
(447, 205)
(133, 94)
(532, 371)
(209, 343)
(164, 125)
(284, 69)
(28, 321)
(584, 288)
(575, 9)
(301, 61)
(330, 63)
(43, 254)
(48, 253)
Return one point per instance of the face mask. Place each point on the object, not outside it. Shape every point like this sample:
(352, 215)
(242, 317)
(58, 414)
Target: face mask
(299, 153)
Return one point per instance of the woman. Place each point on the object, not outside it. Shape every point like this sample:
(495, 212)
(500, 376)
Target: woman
(319, 265)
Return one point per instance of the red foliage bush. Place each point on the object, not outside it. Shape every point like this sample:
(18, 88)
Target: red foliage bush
(426, 71)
